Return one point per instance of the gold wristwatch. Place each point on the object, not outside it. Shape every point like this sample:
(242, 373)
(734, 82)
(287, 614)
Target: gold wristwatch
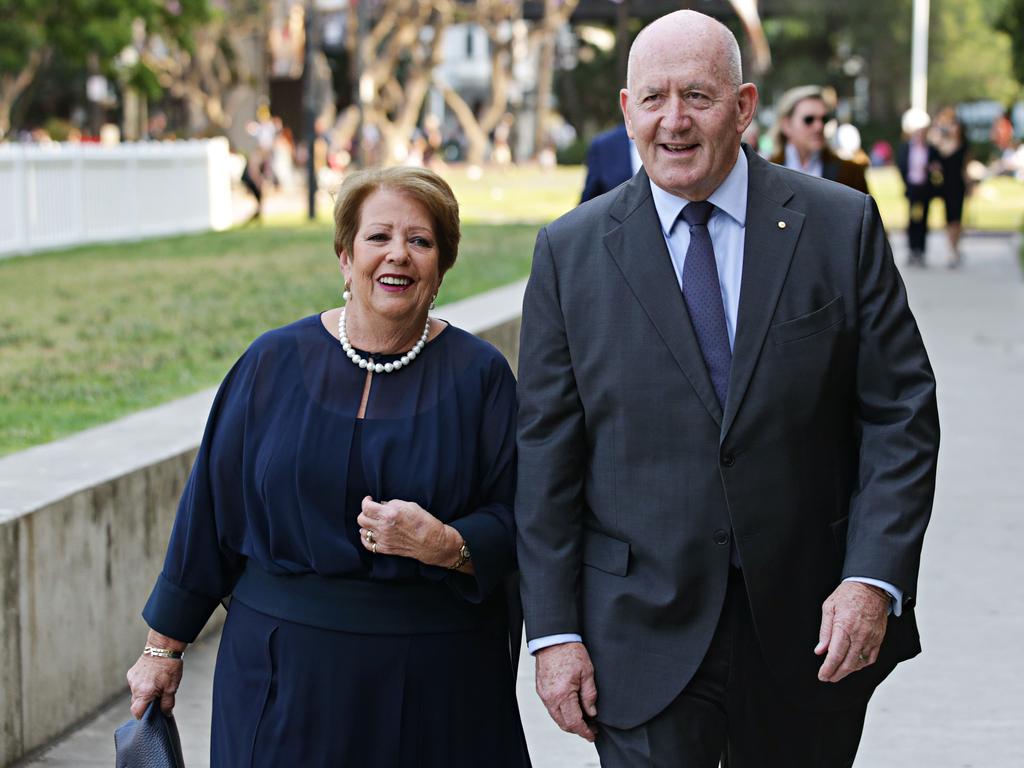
(464, 557)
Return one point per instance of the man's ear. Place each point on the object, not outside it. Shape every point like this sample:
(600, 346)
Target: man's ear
(747, 103)
(624, 106)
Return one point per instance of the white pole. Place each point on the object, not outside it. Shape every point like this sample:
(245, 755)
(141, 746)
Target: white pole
(919, 56)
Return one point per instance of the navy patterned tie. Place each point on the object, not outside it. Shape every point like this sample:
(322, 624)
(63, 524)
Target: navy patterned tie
(704, 297)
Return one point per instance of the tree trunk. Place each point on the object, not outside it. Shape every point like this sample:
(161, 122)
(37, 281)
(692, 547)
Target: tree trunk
(556, 13)
(476, 139)
(12, 86)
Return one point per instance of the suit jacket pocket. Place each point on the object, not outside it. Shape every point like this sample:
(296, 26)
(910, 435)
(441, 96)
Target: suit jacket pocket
(807, 325)
(605, 553)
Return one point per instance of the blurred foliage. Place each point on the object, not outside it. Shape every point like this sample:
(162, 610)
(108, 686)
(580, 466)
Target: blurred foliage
(969, 57)
(89, 35)
(1011, 21)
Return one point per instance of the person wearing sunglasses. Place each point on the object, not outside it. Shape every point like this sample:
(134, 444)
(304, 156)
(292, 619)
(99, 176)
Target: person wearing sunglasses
(800, 139)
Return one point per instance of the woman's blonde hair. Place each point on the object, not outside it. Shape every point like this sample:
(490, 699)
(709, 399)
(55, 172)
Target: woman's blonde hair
(423, 186)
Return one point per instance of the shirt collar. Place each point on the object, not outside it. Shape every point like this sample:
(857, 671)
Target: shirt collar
(816, 160)
(730, 197)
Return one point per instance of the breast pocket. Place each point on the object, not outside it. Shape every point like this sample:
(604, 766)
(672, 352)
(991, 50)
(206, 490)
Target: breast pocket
(828, 317)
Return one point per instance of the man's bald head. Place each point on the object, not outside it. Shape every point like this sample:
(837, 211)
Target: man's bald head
(694, 30)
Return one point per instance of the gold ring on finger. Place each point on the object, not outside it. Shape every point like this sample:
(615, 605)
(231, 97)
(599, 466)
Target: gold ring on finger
(369, 537)
(862, 658)
(374, 548)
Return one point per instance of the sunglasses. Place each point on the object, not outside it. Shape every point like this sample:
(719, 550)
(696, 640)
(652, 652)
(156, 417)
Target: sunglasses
(812, 119)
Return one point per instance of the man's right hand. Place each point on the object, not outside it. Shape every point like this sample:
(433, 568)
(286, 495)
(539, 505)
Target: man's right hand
(565, 683)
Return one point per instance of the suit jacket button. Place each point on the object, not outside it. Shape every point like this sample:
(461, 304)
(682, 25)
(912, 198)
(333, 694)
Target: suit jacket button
(728, 459)
(721, 536)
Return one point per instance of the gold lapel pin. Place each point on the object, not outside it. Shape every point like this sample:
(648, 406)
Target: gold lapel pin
(782, 225)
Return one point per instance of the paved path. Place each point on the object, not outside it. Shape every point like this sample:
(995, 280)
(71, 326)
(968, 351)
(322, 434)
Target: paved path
(961, 703)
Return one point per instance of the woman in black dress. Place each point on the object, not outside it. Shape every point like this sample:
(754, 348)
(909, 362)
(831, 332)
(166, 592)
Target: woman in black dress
(949, 140)
(353, 494)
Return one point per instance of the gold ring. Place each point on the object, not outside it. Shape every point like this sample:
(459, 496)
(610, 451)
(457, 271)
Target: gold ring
(374, 548)
(369, 537)
(861, 657)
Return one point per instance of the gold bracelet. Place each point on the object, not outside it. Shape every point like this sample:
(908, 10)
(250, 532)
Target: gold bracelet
(162, 653)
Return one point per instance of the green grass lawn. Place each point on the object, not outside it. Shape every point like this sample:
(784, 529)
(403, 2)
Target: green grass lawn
(90, 334)
(996, 204)
(94, 333)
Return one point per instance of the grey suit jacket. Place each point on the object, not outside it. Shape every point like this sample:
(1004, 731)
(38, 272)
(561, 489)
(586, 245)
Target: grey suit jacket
(632, 478)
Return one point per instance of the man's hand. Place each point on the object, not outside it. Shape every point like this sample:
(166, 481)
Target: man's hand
(853, 622)
(565, 683)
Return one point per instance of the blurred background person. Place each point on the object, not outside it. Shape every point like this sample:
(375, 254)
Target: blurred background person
(881, 153)
(611, 159)
(921, 170)
(800, 142)
(947, 136)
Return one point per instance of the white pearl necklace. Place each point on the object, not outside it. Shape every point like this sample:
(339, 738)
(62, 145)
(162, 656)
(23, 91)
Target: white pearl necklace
(362, 362)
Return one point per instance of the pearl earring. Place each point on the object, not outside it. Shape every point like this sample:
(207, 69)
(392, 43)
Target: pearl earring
(346, 294)
(432, 301)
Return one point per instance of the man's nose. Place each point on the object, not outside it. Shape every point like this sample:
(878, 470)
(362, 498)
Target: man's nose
(677, 117)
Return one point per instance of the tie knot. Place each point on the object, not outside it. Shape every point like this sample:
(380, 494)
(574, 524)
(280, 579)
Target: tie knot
(697, 212)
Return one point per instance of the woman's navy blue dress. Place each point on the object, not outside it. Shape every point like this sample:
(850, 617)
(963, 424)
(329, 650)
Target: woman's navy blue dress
(331, 655)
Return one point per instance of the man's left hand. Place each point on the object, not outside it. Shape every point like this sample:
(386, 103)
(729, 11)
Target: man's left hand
(853, 622)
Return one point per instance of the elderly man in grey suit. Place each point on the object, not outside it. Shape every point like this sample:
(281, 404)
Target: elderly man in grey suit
(727, 442)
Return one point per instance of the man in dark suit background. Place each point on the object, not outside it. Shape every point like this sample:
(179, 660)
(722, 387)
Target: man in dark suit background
(610, 162)
(800, 139)
(727, 441)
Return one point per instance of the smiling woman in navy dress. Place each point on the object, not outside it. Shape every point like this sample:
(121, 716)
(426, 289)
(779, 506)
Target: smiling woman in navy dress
(353, 494)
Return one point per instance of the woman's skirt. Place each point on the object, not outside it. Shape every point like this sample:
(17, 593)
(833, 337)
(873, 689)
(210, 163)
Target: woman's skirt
(289, 695)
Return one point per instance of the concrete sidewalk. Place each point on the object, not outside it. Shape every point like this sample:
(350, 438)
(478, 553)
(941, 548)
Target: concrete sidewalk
(961, 703)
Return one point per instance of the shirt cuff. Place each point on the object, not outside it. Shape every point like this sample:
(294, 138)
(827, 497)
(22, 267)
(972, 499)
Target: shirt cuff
(548, 640)
(896, 606)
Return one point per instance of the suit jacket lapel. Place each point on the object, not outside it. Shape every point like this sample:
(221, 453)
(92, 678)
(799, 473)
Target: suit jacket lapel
(772, 232)
(638, 248)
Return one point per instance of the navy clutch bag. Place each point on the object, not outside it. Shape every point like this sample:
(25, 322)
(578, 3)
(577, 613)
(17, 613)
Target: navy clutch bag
(151, 742)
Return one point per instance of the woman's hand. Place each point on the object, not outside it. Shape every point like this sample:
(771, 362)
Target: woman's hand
(405, 528)
(153, 677)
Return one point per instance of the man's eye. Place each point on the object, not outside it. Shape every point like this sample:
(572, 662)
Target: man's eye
(696, 97)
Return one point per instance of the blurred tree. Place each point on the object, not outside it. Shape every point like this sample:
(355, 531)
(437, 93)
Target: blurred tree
(205, 73)
(90, 34)
(556, 15)
(496, 18)
(969, 56)
(588, 94)
(394, 56)
(23, 52)
(1010, 19)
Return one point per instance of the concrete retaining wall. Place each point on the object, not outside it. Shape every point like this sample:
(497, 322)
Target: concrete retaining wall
(83, 526)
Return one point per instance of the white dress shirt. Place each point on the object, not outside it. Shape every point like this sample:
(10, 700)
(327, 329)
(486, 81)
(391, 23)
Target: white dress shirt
(727, 227)
(814, 166)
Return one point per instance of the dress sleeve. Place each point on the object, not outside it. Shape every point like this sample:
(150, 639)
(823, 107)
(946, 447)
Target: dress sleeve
(204, 557)
(489, 529)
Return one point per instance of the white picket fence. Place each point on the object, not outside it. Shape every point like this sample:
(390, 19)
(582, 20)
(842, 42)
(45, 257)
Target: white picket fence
(70, 194)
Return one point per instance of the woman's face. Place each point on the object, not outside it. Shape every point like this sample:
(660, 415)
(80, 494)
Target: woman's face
(393, 268)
